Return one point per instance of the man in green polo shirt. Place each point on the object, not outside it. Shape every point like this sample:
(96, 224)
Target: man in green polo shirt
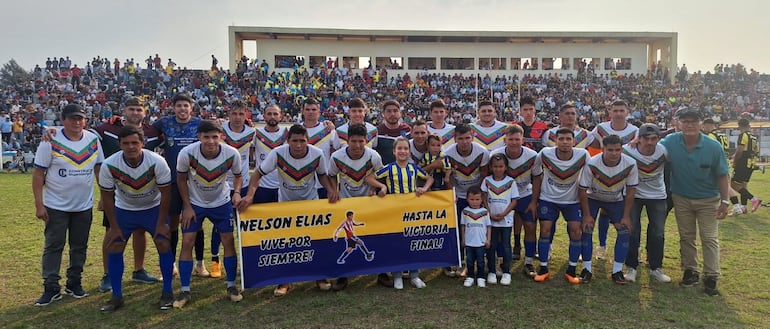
(699, 187)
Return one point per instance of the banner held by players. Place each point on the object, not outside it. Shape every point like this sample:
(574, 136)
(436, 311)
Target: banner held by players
(309, 240)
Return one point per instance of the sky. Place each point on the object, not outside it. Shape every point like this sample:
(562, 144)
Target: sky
(189, 32)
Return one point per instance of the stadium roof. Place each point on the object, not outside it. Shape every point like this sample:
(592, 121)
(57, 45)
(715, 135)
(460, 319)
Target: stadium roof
(285, 33)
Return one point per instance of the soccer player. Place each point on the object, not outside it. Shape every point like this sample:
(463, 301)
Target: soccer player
(602, 183)
(487, 131)
(321, 136)
(297, 153)
(568, 119)
(743, 165)
(202, 169)
(651, 194)
(63, 187)
(353, 164)
(554, 191)
(180, 130)
(135, 192)
(438, 125)
(521, 159)
(390, 129)
(240, 136)
(357, 111)
(266, 139)
(418, 144)
(619, 126)
(353, 241)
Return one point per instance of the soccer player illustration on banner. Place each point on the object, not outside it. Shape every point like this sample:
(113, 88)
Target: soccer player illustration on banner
(353, 241)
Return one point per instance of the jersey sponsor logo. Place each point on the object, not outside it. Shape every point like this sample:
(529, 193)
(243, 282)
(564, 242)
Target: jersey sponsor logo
(77, 158)
(297, 175)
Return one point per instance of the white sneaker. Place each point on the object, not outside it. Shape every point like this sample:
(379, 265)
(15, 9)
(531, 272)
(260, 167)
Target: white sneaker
(398, 283)
(658, 274)
(630, 275)
(418, 283)
(468, 282)
(737, 210)
(600, 251)
(492, 278)
(506, 279)
(481, 283)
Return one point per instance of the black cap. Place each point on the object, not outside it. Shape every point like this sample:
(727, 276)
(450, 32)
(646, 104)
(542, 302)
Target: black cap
(73, 110)
(648, 129)
(687, 112)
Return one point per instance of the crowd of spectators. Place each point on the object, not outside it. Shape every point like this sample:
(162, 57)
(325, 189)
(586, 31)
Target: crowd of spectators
(102, 85)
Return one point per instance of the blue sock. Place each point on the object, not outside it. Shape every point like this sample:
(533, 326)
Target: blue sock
(621, 248)
(216, 241)
(604, 227)
(530, 248)
(587, 245)
(115, 266)
(231, 263)
(544, 247)
(167, 270)
(185, 272)
(575, 247)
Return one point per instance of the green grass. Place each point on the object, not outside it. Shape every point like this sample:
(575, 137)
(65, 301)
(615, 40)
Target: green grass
(745, 299)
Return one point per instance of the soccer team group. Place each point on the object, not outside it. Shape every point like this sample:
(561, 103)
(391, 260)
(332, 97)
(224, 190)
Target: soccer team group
(507, 177)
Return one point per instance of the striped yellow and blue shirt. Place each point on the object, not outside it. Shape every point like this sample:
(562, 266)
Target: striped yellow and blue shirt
(428, 158)
(401, 180)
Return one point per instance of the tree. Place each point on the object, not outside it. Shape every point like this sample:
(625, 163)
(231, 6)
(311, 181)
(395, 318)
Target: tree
(12, 73)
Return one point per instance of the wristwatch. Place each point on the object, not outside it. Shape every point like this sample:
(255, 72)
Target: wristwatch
(726, 202)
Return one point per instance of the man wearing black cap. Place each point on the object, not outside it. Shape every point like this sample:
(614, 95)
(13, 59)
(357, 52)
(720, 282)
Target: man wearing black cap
(66, 166)
(709, 128)
(699, 188)
(743, 164)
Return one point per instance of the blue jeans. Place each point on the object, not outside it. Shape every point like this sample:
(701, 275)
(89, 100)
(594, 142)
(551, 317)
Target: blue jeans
(657, 210)
(474, 256)
(501, 236)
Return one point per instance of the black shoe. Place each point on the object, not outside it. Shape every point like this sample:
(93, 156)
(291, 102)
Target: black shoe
(167, 301)
(529, 271)
(384, 280)
(690, 278)
(341, 284)
(114, 304)
(516, 253)
(585, 276)
(618, 277)
(710, 286)
(75, 290)
(49, 296)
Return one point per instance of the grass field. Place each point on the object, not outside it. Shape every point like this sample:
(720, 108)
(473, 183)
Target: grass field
(744, 303)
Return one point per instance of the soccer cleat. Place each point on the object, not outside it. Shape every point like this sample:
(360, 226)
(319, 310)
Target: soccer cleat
(492, 278)
(600, 252)
(234, 294)
(690, 278)
(468, 282)
(398, 282)
(340, 285)
(755, 203)
(516, 253)
(384, 280)
(200, 270)
(76, 291)
(710, 286)
(182, 299)
(618, 277)
(585, 276)
(49, 296)
(324, 285)
(216, 270)
(572, 278)
(631, 274)
(166, 301)
(114, 304)
(658, 274)
(481, 283)
(529, 270)
(105, 285)
(418, 283)
(540, 277)
(143, 277)
(505, 279)
(281, 290)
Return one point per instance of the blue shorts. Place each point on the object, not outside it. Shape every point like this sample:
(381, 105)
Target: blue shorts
(550, 211)
(521, 209)
(265, 195)
(130, 220)
(221, 217)
(322, 193)
(613, 210)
